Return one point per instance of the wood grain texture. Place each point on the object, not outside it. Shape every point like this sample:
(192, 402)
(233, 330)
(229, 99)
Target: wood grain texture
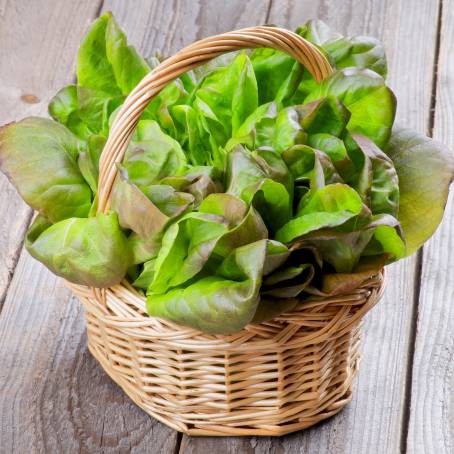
(37, 56)
(53, 395)
(431, 428)
(374, 421)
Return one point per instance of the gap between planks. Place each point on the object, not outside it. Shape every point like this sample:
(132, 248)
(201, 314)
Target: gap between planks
(420, 254)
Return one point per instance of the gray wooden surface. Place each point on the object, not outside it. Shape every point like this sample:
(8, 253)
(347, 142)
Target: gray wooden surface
(54, 398)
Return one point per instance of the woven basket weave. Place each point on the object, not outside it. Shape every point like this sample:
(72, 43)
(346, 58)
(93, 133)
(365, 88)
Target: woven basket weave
(268, 379)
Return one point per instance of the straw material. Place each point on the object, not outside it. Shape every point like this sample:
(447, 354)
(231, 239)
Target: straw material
(268, 379)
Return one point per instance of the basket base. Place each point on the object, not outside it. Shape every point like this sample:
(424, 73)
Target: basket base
(211, 430)
(269, 379)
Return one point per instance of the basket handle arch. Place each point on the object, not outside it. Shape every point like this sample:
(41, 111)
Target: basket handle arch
(184, 60)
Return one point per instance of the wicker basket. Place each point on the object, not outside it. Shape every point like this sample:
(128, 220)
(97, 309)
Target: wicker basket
(268, 379)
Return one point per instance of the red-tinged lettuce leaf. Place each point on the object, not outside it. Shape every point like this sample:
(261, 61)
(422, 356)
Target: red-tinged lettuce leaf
(153, 155)
(287, 282)
(245, 224)
(364, 235)
(371, 103)
(143, 250)
(88, 251)
(270, 308)
(329, 144)
(425, 171)
(39, 156)
(372, 174)
(147, 213)
(342, 283)
(224, 302)
(342, 250)
(200, 181)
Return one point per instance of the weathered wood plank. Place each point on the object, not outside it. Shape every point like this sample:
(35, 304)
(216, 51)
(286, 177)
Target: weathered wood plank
(373, 422)
(37, 55)
(54, 397)
(431, 428)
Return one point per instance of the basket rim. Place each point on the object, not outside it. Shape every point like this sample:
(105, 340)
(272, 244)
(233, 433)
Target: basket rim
(124, 308)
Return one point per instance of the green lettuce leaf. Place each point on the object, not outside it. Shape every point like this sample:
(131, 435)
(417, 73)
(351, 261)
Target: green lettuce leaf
(371, 103)
(357, 51)
(310, 167)
(223, 223)
(64, 108)
(329, 206)
(189, 135)
(106, 63)
(107, 70)
(329, 144)
(88, 251)
(278, 75)
(225, 301)
(228, 95)
(326, 115)
(88, 160)
(258, 129)
(146, 276)
(249, 178)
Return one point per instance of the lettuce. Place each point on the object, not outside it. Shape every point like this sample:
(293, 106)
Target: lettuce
(244, 183)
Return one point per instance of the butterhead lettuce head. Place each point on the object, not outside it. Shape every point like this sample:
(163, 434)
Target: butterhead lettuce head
(246, 184)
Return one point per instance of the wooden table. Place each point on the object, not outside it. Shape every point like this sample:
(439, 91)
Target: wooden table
(54, 398)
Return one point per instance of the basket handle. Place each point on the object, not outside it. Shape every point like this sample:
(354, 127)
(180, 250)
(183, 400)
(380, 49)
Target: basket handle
(184, 60)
